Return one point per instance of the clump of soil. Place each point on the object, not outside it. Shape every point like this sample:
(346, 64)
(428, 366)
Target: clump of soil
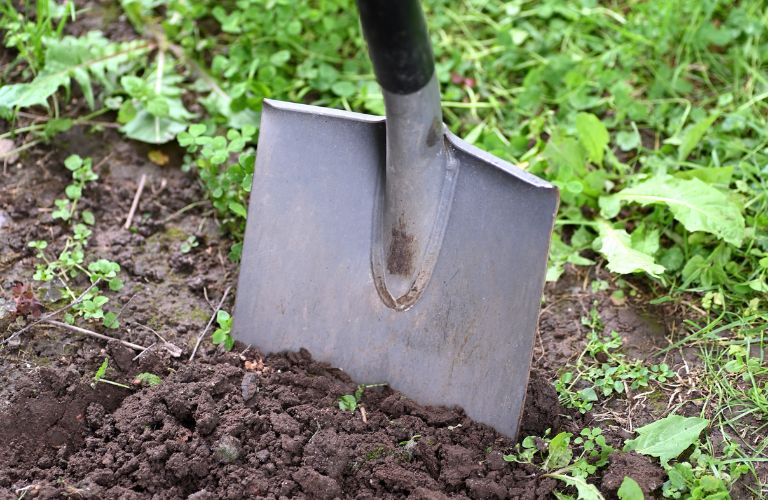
(648, 475)
(233, 427)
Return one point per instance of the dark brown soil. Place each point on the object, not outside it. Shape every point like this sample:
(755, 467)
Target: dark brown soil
(648, 475)
(216, 428)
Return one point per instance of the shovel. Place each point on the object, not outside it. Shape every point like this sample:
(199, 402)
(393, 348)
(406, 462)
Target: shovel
(392, 249)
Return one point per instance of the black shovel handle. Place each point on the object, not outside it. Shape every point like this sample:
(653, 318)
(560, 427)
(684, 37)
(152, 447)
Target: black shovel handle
(398, 44)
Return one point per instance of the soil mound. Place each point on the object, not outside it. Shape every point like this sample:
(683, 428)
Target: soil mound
(230, 427)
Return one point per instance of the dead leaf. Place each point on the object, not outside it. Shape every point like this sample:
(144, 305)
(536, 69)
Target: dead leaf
(158, 157)
(254, 366)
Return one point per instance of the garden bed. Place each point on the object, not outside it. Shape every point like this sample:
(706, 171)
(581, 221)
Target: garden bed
(234, 424)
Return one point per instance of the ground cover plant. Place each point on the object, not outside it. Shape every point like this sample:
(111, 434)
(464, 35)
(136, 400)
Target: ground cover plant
(650, 117)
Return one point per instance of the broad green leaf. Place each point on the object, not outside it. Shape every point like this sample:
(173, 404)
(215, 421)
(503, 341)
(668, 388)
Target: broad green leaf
(758, 285)
(697, 205)
(567, 156)
(560, 452)
(348, 402)
(238, 209)
(588, 394)
(710, 175)
(616, 247)
(147, 128)
(158, 107)
(83, 79)
(82, 58)
(693, 135)
(73, 192)
(561, 253)
(645, 240)
(593, 136)
(110, 320)
(216, 102)
(343, 88)
(135, 86)
(127, 112)
(630, 490)
(280, 57)
(585, 490)
(628, 140)
(667, 438)
(197, 129)
(24, 95)
(672, 258)
(73, 162)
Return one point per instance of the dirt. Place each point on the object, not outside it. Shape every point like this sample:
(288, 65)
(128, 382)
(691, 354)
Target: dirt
(273, 429)
(401, 250)
(648, 475)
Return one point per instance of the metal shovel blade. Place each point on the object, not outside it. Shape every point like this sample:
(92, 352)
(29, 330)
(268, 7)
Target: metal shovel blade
(306, 276)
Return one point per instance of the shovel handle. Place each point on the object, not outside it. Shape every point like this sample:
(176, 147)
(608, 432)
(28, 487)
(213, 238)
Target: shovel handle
(398, 44)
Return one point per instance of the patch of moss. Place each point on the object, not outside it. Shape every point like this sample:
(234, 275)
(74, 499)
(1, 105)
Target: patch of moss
(376, 453)
(198, 314)
(657, 401)
(173, 233)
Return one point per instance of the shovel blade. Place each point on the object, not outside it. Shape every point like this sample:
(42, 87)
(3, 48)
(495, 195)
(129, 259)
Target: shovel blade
(306, 280)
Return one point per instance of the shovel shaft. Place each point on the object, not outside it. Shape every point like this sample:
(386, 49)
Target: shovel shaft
(419, 179)
(398, 43)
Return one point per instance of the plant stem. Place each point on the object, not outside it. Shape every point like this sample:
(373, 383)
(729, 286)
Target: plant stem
(110, 382)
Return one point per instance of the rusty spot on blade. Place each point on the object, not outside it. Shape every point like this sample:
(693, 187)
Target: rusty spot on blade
(401, 251)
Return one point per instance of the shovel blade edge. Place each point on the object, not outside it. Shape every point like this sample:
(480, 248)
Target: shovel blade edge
(306, 280)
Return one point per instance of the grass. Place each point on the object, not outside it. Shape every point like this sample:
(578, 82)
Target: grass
(651, 118)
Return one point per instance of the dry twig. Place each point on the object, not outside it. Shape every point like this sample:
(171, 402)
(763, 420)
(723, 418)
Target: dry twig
(210, 322)
(135, 203)
(91, 333)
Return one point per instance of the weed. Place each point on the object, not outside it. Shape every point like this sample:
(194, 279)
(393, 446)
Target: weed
(223, 334)
(350, 402)
(148, 379)
(700, 475)
(602, 370)
(26, 33)
(82, 174)
(226, 168)
(69, 265)
(98, 377)
(376, 453)
(83, 59)
(570, 463)
(25, 300)
(409, 445)
(188, 244)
